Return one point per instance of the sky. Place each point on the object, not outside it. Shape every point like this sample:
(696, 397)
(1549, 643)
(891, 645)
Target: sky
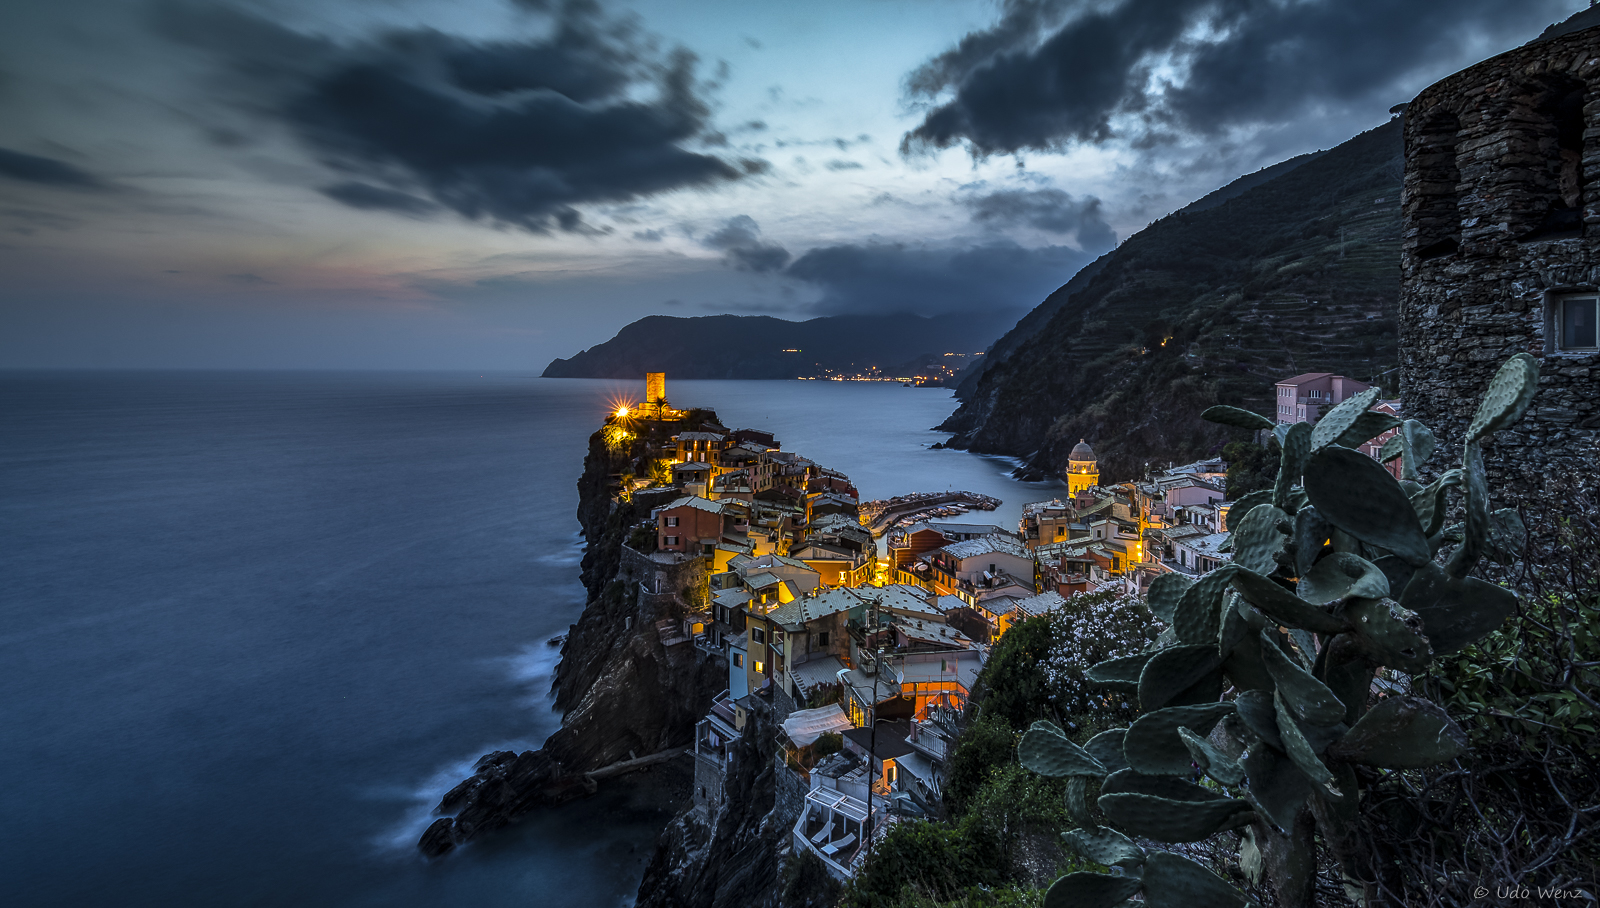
(490, 184)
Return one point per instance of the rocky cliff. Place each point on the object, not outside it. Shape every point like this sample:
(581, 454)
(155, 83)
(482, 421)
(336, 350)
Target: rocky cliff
(624, 694)
(1292, 270)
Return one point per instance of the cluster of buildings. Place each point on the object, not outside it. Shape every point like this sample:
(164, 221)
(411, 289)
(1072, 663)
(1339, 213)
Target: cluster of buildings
(867, 661)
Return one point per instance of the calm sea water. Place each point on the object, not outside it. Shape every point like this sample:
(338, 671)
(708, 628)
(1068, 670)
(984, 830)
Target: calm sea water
(253, 625)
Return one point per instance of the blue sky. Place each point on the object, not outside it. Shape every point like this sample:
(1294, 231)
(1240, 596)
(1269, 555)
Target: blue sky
(490, 184)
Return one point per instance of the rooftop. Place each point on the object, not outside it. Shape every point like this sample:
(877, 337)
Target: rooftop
(984, 545)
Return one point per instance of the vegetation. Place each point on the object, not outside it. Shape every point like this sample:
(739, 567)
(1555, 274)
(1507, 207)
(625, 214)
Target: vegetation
(1251, 467)
(1302, 750)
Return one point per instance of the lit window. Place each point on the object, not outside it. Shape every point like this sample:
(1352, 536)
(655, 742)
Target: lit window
(738, 661)
(1574, 323)
(761, 667)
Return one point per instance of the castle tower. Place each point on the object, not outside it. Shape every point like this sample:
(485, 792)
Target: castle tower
(1501, 254)
(1083, 471)
(655, 388)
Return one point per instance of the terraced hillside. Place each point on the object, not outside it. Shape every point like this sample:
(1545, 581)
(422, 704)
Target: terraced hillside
(1298, 274)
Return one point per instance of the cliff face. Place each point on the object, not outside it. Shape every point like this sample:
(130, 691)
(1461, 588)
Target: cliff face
(731, 859)
(624, 693)
(1296, 273)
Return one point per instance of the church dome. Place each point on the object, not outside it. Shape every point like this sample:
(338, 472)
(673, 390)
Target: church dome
(1081, 451)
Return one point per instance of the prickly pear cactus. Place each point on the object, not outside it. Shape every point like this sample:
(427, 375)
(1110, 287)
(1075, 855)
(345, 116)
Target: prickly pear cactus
(1336, 574)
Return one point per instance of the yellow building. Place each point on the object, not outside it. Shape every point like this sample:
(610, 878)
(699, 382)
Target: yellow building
(1082, 470)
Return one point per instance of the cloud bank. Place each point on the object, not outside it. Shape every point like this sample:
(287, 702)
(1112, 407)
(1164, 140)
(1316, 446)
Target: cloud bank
(515, 132)
(1053, 73)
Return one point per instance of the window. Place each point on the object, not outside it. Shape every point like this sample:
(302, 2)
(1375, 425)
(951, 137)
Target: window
(1435, 206)
(757, 635)
(738, 661)
(669, 521)
(822, 638)
(669, 540)
(1572, 322)
(761, 667)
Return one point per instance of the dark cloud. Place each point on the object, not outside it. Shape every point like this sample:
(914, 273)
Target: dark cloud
(649, 236)
(740, 242)
(879, 278)
(1051, 74)
(367, 196)
(45, 171)
(1050, 210)
(518, 132)
(839, 164)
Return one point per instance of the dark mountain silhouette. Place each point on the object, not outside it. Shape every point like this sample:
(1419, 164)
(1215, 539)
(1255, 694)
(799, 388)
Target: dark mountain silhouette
(1294, 269)
(763, 347)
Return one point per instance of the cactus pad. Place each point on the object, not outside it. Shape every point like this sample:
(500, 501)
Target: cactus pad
(1367, 426)
(1337, 421)
(1257, 538)
(1300, 751)
(1244, 666)
(1118, 674)
(1248, 503)
(1310, 699)
(1357, 495)
(1507, 397)
(1091, 890)
(1104, 845)
(1046, 751)
(1159, 786)
(1171, 881)
(1199, 609)
(1390, 634)
(1240, 419)
(1211, 761)
(1164, 593)
(1152, 745)
(1283, 606)
(1402, 733)
(1342, 576)
(1107, 748)
(1475, 538)
(1166, 820)
(1430, 504)
(1296, 444)
(1310, 535)
(1173, 670)
(1276, 788)
(1456, 611)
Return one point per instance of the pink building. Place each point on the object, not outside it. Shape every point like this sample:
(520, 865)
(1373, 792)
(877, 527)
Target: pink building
(1304, 397)
(1371, 448)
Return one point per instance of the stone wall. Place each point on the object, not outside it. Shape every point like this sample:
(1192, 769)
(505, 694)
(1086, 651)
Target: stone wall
(1502, 215)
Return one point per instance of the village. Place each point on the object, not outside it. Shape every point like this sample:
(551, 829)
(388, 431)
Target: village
(866, 655)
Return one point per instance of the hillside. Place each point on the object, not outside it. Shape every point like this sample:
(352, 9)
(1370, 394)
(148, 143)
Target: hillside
(1035, 320)
(1211, 304)
(763, 347)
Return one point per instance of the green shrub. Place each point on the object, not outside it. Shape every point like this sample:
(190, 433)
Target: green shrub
(986, 744)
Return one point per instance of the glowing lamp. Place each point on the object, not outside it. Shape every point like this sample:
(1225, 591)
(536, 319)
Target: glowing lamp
(622, 411)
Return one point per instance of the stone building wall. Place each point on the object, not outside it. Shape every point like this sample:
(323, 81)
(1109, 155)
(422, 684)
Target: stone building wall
(1502, 217)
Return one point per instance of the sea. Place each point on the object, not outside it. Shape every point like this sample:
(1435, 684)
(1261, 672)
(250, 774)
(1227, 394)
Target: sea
(253, 625)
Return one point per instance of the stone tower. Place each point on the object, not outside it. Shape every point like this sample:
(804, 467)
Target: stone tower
(1501, 254)
(655, 388)
(1083, 471)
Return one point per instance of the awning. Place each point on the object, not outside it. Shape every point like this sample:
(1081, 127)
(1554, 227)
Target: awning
(807, 725)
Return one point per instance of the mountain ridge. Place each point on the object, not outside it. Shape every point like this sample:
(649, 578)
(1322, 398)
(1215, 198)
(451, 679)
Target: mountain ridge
(1298, 272)
(765, 347)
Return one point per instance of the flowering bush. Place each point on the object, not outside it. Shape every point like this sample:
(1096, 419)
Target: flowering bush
(1089, 629)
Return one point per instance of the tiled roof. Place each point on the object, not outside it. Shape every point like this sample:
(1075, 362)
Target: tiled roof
(984, 545)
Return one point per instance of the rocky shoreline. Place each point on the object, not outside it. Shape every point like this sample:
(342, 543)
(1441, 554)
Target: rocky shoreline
(624, 694)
